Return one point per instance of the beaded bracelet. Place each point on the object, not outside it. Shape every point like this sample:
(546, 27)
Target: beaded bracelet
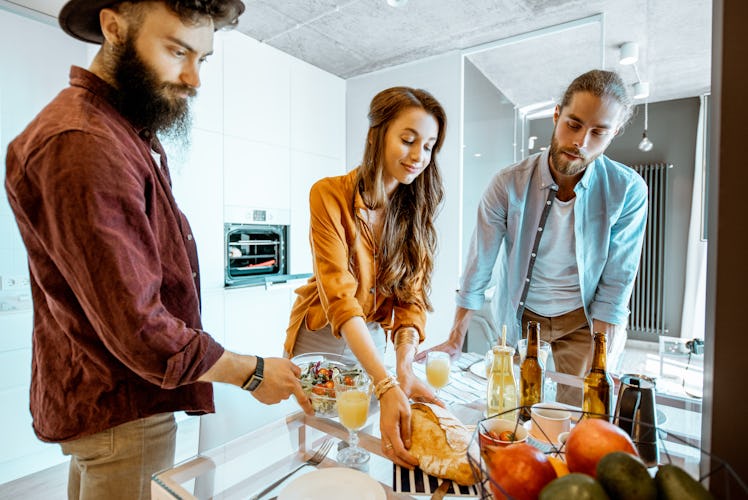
(385, 385)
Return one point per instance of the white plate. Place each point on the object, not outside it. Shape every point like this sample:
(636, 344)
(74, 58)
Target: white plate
(335, 483)
(478, 368)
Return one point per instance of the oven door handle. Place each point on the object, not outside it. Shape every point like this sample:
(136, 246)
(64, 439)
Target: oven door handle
(281, 281)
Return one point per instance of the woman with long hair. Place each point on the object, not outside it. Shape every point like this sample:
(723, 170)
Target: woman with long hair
(373, 245)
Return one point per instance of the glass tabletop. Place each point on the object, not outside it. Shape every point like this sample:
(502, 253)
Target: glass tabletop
(243, 467)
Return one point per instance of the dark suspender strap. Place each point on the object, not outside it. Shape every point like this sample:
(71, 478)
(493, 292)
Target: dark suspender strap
(534, 254)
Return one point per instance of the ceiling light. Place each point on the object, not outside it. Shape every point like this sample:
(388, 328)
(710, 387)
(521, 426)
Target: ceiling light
(397, 3)
(629, 53)
(645, 144)
(477, 155)
(641, 90)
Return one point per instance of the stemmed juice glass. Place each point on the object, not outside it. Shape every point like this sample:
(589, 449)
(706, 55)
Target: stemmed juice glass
(437, 369)
(353, 396)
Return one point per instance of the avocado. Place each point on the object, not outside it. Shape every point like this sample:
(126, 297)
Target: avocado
(575, 486)
(673, 483)
(625, 477)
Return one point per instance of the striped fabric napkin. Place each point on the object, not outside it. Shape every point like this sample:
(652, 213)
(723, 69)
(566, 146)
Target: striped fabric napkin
(418, 482)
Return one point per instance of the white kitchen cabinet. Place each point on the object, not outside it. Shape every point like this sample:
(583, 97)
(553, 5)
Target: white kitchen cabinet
(197, 181)
(256, 319)
(207, 107)
(256, 174)
(212, 314)
(306, 169)
(256, 90)
(317, 111)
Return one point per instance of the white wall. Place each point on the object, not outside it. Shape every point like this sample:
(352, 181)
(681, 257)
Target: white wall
(442, 77)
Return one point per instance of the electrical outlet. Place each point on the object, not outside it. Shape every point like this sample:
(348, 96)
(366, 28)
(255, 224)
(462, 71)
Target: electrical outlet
(10, 283)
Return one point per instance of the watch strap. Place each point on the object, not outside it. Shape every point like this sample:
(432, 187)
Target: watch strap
(254, 380)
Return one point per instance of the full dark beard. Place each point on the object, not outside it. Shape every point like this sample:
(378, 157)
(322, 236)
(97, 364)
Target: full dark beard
(148, 102)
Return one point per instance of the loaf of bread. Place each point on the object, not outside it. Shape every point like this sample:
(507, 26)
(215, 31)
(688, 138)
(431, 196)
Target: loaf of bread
(441, 443)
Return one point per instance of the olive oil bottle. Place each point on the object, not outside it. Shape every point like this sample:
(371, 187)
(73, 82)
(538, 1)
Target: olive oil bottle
(598, 384)
(531, 372)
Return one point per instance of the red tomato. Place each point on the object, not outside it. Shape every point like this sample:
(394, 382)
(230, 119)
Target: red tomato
(318, 390)
(506, 436)
(347, 380)
(329, 384)
(324, 372)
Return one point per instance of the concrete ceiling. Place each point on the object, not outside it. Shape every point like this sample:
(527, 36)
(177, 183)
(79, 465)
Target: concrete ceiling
(534, 47)
(541, 46)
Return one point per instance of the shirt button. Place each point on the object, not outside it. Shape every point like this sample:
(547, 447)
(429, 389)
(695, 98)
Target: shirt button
(548, 202)
(194, 275)
(371, 290)
(533, 254)
(521, 303)
(527, 280)
(189, 237)
(540, 229)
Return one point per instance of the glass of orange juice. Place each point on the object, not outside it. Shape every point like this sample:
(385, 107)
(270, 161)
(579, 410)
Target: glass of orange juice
(353, 396)
(437, 369)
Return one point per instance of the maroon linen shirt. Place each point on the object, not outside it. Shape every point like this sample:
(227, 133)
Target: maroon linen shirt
(114, 275)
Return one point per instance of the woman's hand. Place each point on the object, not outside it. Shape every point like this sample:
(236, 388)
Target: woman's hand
(394, 422)
(416, 390)
(451, 347)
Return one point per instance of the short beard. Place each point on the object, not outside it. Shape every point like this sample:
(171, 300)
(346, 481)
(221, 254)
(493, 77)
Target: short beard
(564, 166)
(147, 101)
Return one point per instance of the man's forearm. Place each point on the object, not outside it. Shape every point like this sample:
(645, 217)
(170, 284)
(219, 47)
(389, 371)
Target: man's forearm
(231, 368)
(460, 325)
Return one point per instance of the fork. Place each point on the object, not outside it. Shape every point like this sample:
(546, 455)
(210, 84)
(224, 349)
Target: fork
(314, 461)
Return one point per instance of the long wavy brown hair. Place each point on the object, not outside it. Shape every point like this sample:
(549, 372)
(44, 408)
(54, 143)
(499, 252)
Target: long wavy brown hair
(406, 253)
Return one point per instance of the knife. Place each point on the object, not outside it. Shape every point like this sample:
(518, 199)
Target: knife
(441, 490)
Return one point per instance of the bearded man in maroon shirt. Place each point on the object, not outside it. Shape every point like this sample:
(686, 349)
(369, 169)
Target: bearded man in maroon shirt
(118, 344)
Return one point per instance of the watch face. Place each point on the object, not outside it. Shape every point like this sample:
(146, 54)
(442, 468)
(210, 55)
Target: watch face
(254, 382)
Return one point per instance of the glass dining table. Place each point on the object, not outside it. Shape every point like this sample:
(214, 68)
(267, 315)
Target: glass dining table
(245, 466)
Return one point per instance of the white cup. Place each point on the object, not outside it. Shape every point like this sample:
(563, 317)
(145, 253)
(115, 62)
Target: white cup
(548, 421)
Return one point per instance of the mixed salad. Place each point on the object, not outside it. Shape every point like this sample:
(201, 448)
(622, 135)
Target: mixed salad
(317, 382)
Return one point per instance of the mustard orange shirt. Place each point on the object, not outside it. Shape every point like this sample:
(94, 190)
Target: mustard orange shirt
(344, 279)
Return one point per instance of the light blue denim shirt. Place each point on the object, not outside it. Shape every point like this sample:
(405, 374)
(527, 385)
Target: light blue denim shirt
(610, 214)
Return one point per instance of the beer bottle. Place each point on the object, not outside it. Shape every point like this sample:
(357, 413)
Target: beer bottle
(531, 372)
(598, 385)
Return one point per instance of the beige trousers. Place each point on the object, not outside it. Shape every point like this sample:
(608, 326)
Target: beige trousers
(118, 463)
(572, 345)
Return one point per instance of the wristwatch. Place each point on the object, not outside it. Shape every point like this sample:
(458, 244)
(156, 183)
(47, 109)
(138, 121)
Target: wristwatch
(254, 380)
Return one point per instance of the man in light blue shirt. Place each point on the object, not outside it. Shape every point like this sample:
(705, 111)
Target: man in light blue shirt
(567, 225)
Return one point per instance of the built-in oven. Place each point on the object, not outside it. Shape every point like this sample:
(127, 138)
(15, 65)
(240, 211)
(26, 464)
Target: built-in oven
(256, 247)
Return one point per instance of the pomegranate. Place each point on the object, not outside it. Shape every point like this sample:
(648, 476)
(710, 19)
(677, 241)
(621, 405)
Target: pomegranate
(521, 471)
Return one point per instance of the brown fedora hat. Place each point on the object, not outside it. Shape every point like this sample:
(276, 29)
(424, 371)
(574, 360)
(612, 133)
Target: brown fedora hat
(80, 18)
